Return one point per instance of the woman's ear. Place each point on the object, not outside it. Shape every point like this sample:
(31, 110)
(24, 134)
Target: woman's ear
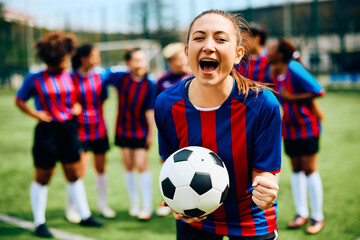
(186, 50)
(239, 54)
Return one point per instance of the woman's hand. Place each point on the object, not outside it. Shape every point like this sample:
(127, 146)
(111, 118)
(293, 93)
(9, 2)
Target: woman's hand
(180, 216)
(265, 190)
(76, 109)
(43, 116)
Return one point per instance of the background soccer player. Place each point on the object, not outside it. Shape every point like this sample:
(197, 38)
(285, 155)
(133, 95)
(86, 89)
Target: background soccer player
(135, 127)
(56, 135)
(301, 131)
(235, 117)
(257, 67)
(91, 94)
(178, 66)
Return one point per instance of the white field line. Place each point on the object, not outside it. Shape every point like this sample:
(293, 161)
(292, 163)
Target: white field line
(30, 225)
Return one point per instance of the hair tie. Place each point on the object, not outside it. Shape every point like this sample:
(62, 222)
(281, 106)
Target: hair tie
(296, 55)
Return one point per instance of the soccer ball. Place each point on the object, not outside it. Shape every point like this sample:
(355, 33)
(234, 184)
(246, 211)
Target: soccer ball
(194, 181)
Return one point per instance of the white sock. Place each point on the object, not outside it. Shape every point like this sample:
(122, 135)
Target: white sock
(101, 190)
(298, 186)
(38, 197)
(131, 187)
(70, 204)
(316, 196)
(78, 195)
(146, 189)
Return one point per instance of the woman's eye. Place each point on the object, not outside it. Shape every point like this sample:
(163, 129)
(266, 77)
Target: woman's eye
(198, 38)
(222, 39)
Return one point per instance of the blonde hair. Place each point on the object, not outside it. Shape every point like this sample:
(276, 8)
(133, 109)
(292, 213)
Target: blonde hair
(240, 24)
(172, 49)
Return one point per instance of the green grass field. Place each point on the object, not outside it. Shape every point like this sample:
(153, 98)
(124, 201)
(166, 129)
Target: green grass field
(339, 166)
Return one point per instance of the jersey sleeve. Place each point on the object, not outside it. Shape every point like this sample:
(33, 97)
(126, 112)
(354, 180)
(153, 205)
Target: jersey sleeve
(152, 93)
(304, 79)
(27, 88)
(267, 146)
(113, 75)
(166, 148)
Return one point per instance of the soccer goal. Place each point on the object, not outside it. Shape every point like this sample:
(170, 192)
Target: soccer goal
(152, 49)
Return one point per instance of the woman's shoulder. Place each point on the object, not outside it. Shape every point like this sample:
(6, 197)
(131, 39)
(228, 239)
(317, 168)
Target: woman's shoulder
(172, 95)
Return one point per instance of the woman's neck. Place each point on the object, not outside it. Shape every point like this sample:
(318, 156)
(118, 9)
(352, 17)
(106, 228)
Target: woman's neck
(84, 71)
(210, 96)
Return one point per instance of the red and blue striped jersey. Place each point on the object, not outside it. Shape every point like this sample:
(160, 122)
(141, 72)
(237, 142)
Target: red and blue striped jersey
(54, 94)
(91, 94)
(134, 99)
(299, 121)
(257, 68)
(246, 134)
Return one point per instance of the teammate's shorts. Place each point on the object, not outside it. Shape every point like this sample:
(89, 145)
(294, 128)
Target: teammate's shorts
(96, 146)
(301, 147)
(185, 231)
(132, 143)
(56, 141)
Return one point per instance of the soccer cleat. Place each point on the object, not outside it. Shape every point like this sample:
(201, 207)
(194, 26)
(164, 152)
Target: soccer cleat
(162, 211)
(145, 214)
(72, 215)
(315, 226)
(298, 222)
(107, 212)
(91, 222)
(43, 231)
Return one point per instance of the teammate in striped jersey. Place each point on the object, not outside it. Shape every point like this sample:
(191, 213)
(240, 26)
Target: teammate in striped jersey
(178, 66)
(257, 67)
(301, 130)
(235, 117)
(91, 94)
(135, 127)
(56, 135)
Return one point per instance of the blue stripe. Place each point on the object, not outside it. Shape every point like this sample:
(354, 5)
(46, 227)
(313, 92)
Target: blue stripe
(261, 226)
(224, 150)
(83, 98)
(58, 95)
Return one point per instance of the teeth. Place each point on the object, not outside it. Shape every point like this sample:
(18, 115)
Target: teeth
(208, 60)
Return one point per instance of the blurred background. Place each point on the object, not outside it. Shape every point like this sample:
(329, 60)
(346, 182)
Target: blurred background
(327, 32)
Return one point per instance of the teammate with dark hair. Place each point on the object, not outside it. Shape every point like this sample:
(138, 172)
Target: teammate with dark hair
(301, 126)
(56, 136)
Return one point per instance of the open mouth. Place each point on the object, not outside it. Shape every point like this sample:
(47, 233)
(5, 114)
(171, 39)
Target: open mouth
(208, 65)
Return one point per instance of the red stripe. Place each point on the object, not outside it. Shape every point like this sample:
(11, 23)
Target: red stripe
(271, 219)
(262, 69)
(121, 114)
(238, 141)
(295, 107)
(208, 137)
(252, 66)
(51, 90)
(128, 116)
(179, 116)
(139, 104)
(41, 95)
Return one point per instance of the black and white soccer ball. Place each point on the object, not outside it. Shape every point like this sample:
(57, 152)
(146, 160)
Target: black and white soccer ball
(194, 181)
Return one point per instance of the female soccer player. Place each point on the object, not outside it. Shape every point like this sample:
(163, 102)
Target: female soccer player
(178, 66)
(257, 68)
(135, 127)
(91, 94)
(301, 131)
(235, 117)
(56, 135)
